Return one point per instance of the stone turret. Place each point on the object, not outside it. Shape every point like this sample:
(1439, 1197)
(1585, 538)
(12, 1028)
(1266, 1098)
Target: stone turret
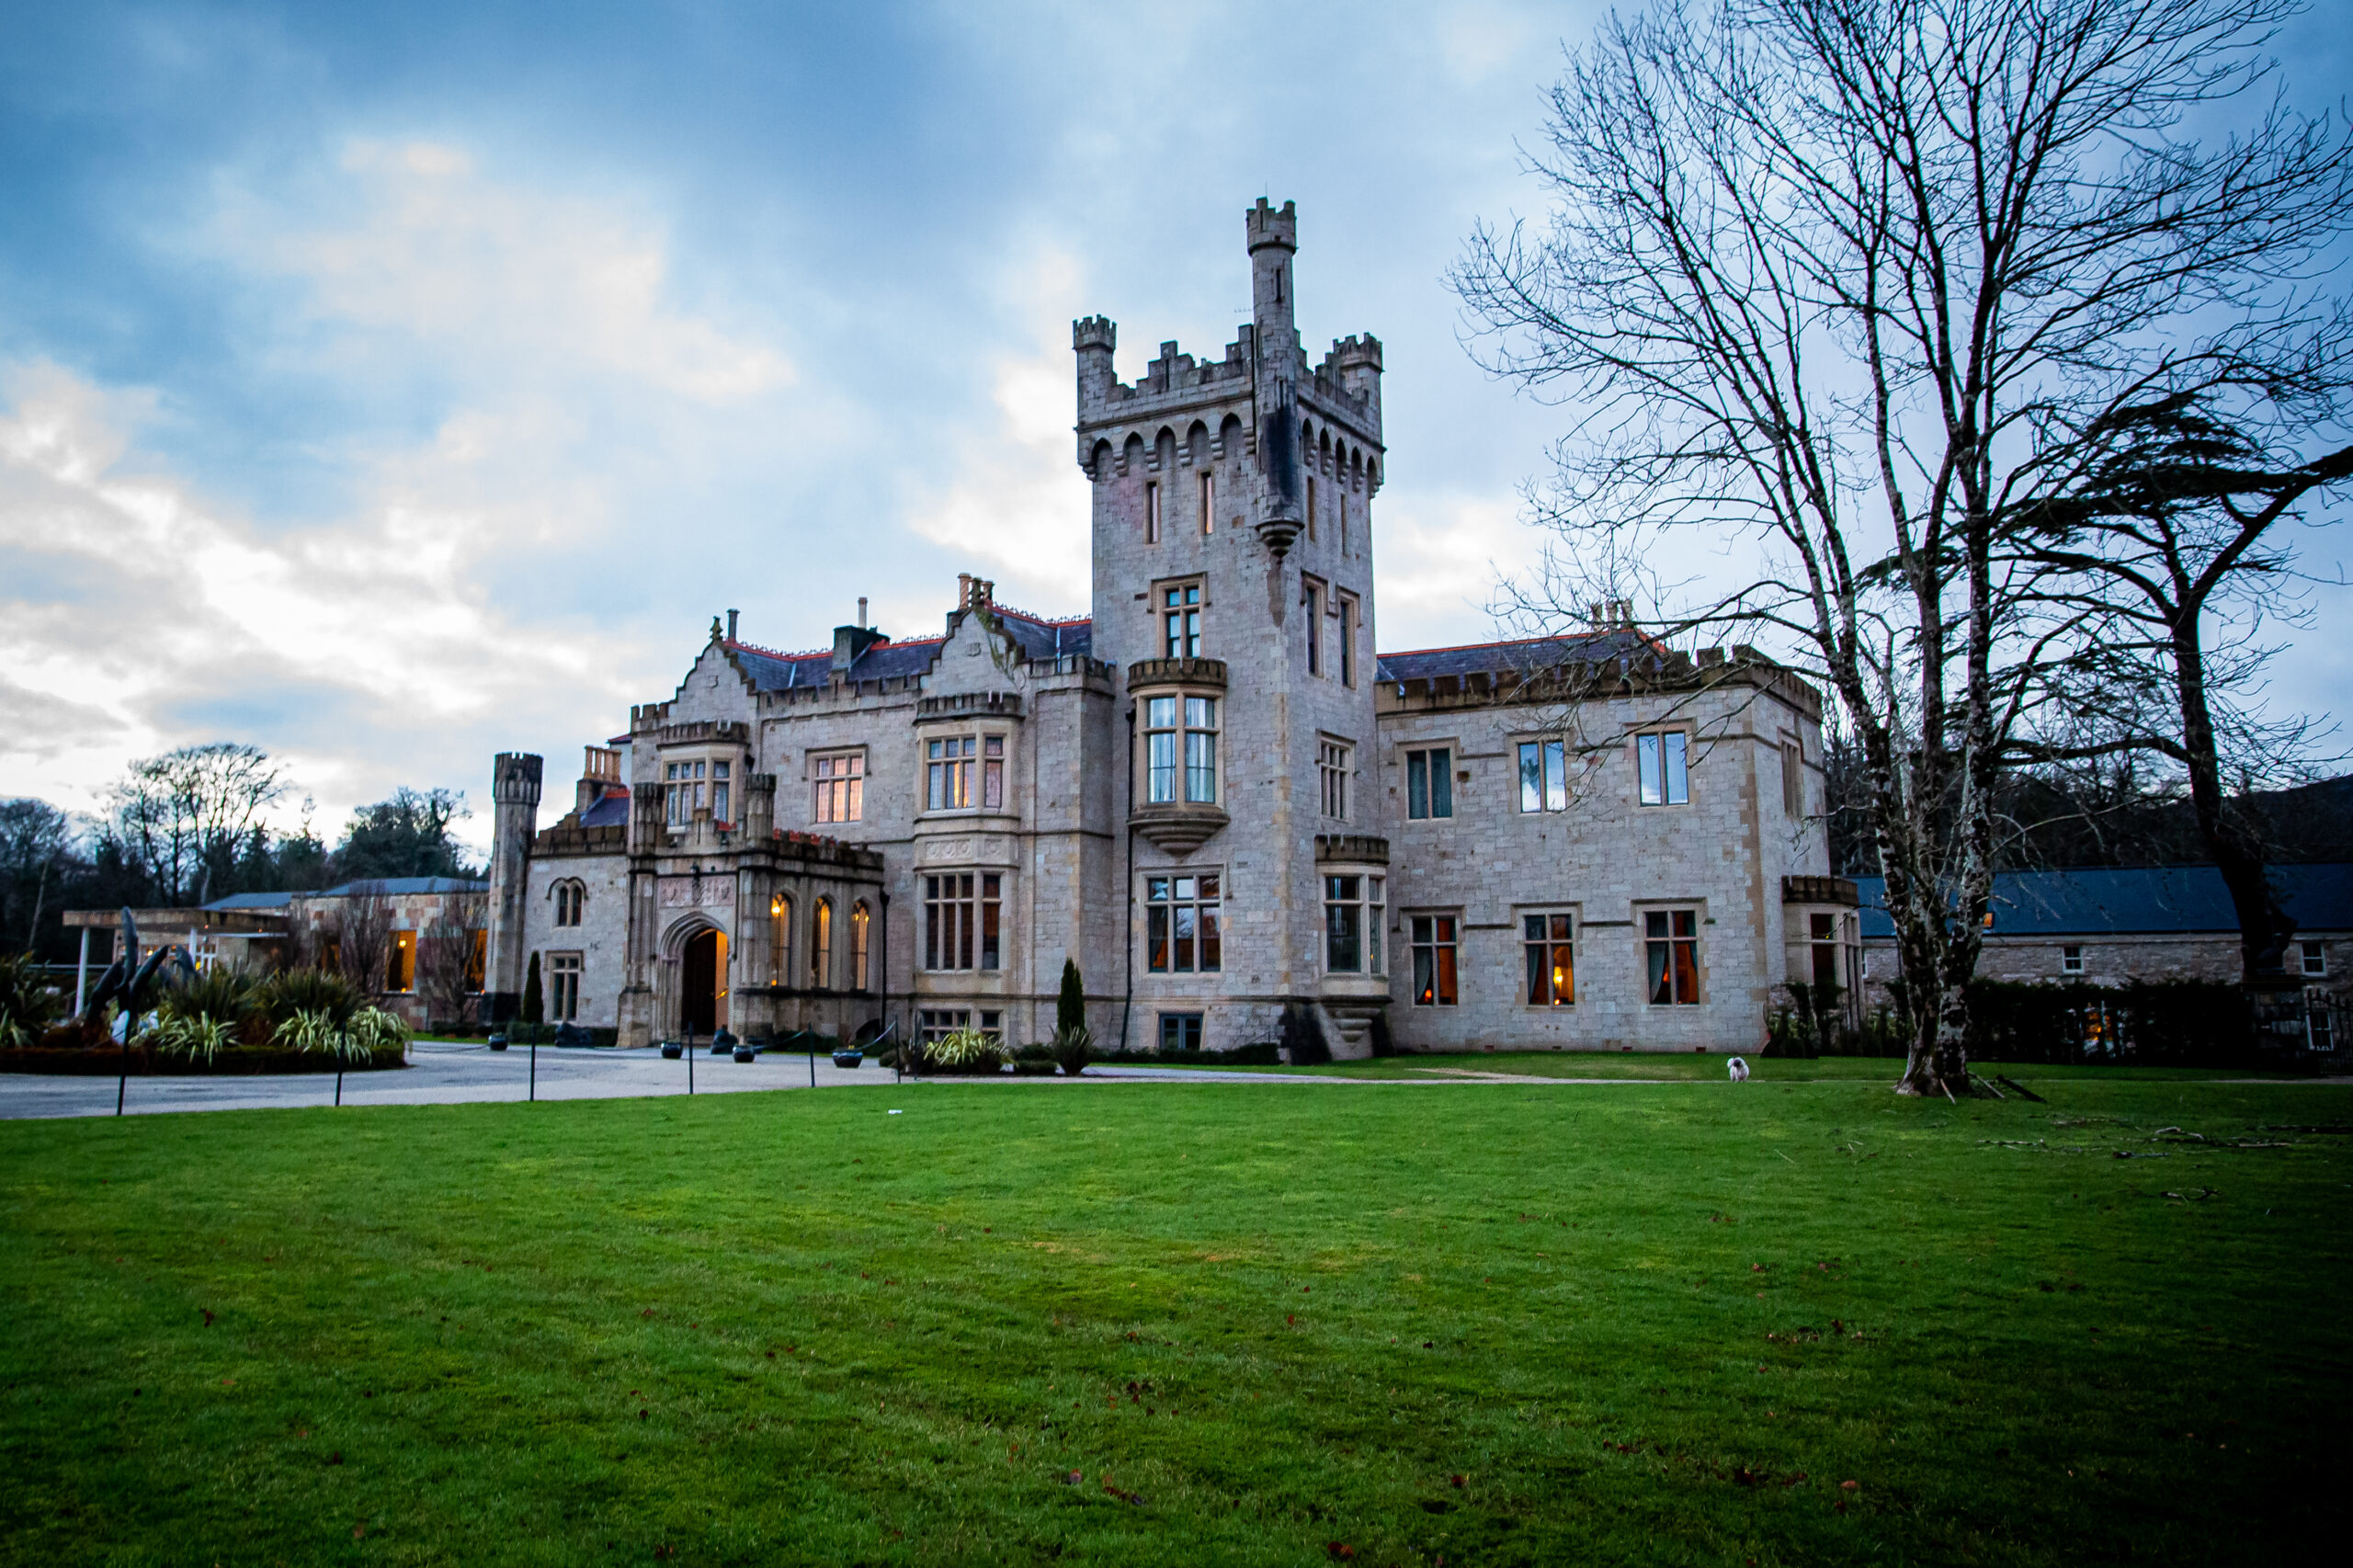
(514, 797)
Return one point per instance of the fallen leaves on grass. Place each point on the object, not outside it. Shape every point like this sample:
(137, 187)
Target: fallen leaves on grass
(207, 1315)
(1133, 1500)
(1338, 1551)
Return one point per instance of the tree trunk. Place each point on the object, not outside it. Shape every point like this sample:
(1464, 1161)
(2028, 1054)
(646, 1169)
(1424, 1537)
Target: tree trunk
(2264, 927)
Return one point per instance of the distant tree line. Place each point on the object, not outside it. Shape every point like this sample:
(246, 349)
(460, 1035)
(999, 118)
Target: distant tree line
(190, 826)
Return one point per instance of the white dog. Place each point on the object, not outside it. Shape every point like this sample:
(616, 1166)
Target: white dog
(1738, 1069)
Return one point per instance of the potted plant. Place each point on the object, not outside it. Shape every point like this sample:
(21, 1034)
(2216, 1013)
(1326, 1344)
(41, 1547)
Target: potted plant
(849, 1056)
(498, 1041)
(672, 1050)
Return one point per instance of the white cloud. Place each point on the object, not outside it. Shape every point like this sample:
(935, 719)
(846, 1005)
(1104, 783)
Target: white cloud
(415, 240)
(364, 653)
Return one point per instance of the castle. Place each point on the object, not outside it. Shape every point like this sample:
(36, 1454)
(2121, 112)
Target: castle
(1211, 792)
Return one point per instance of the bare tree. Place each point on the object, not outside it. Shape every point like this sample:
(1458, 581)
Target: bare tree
(34, 837)
(448, 969)
(363, 938)
(1850, 279)
(184, 815)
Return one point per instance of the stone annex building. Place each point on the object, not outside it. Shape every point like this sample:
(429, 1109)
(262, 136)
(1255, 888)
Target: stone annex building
(1212, 793)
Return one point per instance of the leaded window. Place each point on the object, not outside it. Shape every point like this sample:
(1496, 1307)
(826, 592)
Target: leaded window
(1548, 949)
(1436, 939)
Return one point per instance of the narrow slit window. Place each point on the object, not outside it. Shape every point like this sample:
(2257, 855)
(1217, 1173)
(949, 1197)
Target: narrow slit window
(1151, 512)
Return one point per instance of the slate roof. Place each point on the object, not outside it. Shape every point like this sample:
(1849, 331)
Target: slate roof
(608, 810)
(1038, 637)
(252, 901)
(2135, 901)
(1518, 656)
(393, 887)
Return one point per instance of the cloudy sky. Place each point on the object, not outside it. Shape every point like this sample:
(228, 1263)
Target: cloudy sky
(390, 384)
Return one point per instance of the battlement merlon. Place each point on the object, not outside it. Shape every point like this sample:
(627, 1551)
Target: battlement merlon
(1353, 367)
(1092, 338)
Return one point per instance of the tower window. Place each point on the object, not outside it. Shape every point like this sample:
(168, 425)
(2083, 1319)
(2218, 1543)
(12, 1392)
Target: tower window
(1311, 595)
(1151, 512)
(569, 898)
(1344, 606)
(1352, 917)
(1180, 622)
(1332, 760)
(1792, 780)
(1209, 503)
(1186, 725)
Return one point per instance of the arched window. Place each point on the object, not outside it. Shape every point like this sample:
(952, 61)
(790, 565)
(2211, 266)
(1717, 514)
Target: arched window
(821, 946)
(781, 921)
(858, 925)
(570, 896)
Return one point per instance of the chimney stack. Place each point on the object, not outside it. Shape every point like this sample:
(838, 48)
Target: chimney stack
(731, 626)
(861, 609)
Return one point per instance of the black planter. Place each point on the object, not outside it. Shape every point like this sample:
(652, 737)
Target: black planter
(849, 1058)
(497, 1042)
(746, 1053)
(672, 1050)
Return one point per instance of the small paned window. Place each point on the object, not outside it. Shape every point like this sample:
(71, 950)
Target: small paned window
(1332, 760)
(563, 988)
(1180, 1031)
(1430, 782)
(840, 788)
(938, 1023)
(1437, 938)
(2315, 957)
(1352, 917)
(1660, 760)
(959, 920)
(947, 773)
(719, 812)
(686, 786)
(1671, 949)
(570, 897)
(1543, 776)
(1180, 622)
(1183, 931)
(2071, 958)
(992, 773)
(1548, 945)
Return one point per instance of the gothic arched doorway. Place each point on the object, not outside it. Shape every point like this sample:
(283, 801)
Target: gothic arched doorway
(703, 979)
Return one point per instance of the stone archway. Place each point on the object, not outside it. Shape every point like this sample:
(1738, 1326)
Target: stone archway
(695, 970)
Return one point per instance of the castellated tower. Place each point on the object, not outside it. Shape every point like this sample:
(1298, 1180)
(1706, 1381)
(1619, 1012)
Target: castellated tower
(515, 796)
(1233, 557)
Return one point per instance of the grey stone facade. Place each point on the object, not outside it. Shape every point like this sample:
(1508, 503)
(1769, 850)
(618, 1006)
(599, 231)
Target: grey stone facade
(1198, 793)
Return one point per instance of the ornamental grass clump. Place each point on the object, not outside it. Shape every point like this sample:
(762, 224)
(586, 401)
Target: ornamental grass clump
(215, 1011)
(28, 1005)
(964, 1052)
(356, 1038)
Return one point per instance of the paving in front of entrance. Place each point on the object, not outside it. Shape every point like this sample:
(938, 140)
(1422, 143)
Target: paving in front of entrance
(446, 1073)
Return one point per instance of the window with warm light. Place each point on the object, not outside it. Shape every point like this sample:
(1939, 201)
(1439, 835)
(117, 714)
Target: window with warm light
(1548, 947)
(840, 787)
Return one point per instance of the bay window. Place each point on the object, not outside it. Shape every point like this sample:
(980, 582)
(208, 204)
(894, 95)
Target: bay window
(1352, 915)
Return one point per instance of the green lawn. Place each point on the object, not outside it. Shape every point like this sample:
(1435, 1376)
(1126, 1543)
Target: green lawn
(1492, 1322)
(1703, 1067)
